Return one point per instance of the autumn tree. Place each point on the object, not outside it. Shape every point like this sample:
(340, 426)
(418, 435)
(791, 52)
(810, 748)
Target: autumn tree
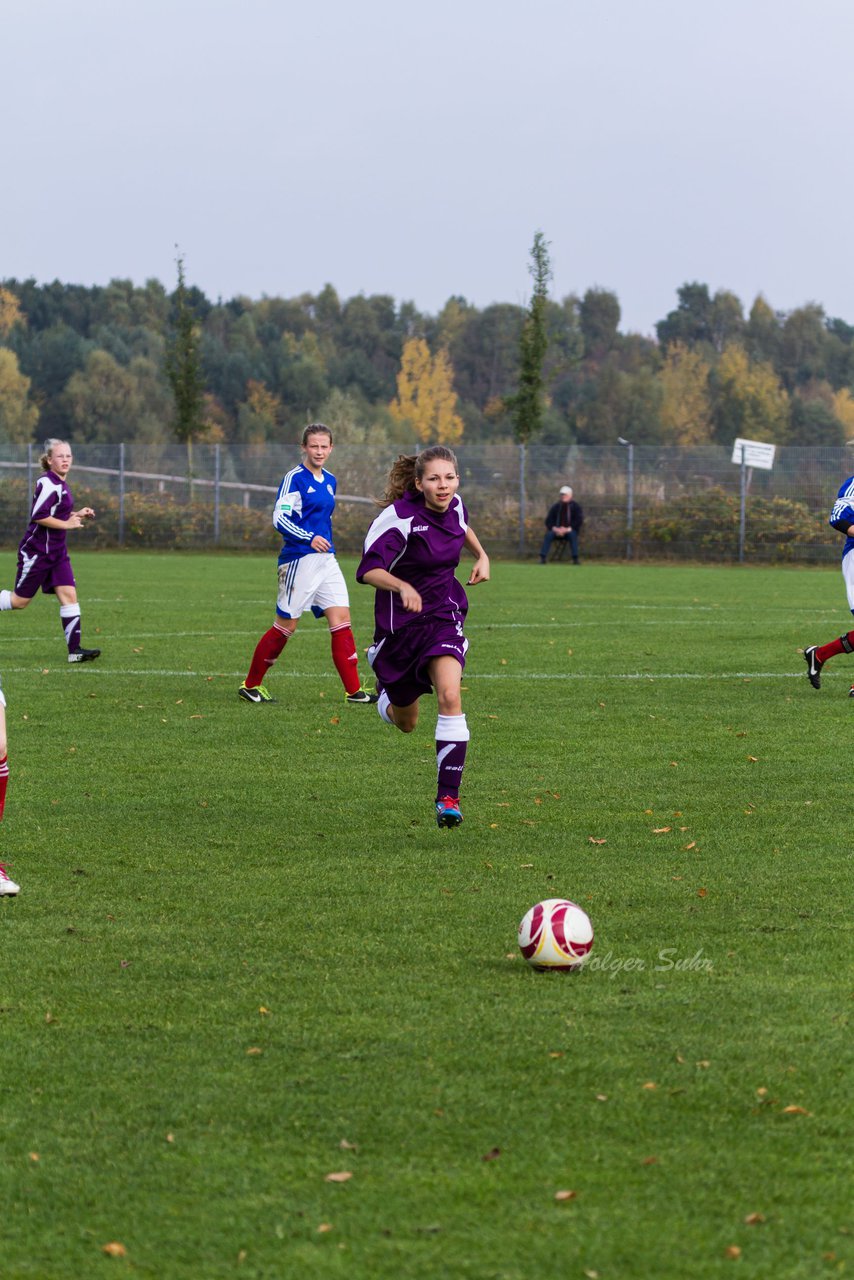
(686, 407)
(526, 406)
(426, 398)
(18, 417)
(749, 400)
(10, 312)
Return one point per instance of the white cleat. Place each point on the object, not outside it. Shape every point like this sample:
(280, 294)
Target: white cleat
(8, 888)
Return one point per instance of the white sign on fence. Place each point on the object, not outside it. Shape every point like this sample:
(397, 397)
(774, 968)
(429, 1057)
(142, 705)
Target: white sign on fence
(756, 454)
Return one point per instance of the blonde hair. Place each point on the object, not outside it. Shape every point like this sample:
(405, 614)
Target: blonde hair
(411, 467)
(49, 446)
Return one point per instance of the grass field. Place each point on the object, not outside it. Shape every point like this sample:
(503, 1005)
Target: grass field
(244, 958)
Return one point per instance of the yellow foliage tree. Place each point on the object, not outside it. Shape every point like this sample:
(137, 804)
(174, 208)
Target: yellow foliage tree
(10, 312)
(750, 400)
(425, 398)
(18, 417)
(843, 408)
(686, 407)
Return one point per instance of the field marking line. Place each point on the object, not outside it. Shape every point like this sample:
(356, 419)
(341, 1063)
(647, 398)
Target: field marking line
(650, 676)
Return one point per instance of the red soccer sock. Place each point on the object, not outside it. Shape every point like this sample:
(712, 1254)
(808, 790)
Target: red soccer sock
(345, 657)
(825, 651)
(4, 782)
(266, 652)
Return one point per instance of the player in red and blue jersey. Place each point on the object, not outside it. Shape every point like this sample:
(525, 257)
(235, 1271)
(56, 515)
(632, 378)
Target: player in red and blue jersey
(842, 519)
(43, 556)
(309, 574)
(411, 552)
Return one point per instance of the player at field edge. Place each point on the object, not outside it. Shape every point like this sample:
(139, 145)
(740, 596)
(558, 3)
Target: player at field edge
(8, 888)
(309, 574)
(842, 519)
(43, 555)
(411, 552)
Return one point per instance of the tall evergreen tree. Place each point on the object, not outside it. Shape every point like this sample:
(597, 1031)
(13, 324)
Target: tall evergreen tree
(183, 369)
(526, 405)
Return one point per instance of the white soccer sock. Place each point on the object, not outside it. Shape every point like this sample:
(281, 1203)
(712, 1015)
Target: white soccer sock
(5, 600)
(452, 729)
(383, 704)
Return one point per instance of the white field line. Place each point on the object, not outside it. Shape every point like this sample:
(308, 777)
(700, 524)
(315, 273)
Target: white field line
(650, 676)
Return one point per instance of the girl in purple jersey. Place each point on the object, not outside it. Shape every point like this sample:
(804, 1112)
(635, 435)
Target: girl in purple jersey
(411, 552)
(43, 556)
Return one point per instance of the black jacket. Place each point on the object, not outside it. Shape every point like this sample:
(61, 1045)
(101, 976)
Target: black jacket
(567, 514)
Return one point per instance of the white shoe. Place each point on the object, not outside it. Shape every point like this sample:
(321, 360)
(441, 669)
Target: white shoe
(8, 888)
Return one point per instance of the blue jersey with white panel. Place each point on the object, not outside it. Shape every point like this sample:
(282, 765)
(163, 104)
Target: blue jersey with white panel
(303, 509)
(842, 514)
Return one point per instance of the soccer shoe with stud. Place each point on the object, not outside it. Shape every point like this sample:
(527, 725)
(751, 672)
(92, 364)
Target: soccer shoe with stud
(8, 888)
(256, 694)
(448, 812)
(83, 655)
(361, 697)
(813, 666)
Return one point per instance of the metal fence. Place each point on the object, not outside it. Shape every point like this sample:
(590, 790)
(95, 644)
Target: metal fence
(640, 502)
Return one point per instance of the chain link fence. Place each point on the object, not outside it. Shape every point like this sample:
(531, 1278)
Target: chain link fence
(640, 502)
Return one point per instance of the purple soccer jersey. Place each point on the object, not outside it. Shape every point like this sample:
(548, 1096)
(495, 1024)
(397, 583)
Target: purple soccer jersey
(42, 554)
(423, 548)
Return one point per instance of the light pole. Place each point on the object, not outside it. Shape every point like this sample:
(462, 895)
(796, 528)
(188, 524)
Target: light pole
(630, 492)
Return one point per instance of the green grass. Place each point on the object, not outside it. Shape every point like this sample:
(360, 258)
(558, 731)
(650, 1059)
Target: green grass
(202, 878)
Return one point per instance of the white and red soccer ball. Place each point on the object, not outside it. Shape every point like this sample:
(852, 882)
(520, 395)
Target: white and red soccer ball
(556, 934)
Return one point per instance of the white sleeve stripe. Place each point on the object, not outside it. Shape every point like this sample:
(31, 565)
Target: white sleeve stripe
(386, 521)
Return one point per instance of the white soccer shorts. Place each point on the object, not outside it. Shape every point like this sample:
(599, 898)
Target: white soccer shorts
(848, 575)
(313, 582)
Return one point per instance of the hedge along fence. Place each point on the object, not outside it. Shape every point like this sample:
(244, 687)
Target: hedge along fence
(698, 527)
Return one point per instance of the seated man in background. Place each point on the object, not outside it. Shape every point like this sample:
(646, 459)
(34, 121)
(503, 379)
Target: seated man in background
(563, 522)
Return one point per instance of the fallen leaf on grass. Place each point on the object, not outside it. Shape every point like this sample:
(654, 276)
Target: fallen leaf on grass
(601, 1097)
(650, 1084)
(263, 1009)
(650, 1160)
(691, 845)
(659, 831)
(335, 720)
(493, 1154)
(702, 893)
(324, 1227)
(344, 1176)
(754, 759)
(732, 1251)
(562, 1196)
(344, 1145)
(254, 1052)
(525, 866)
(754, 1219)
(35, 1157)
(597, 839)
(796, 1111)
(114, 1249)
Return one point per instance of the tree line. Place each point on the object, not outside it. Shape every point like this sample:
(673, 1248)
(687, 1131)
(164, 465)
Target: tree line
(97, 364)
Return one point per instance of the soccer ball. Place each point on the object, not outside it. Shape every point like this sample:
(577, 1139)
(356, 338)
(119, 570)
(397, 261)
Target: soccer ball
(556, 934)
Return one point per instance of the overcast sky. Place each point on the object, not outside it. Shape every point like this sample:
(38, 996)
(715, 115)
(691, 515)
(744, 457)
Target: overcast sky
(415, 149)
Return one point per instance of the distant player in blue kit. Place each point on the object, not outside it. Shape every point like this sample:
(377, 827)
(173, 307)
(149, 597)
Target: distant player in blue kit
(43, 556)
(309, 575)
(411, 552)
(842, 519)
